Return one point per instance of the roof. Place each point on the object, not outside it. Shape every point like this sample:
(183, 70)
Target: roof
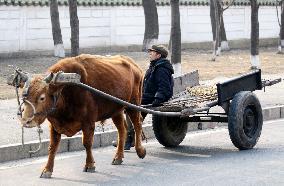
(126, 2)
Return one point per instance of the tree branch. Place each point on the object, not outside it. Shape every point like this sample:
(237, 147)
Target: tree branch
(232, 2)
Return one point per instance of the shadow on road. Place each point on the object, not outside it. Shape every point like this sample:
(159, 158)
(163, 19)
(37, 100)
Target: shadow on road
(199, 152)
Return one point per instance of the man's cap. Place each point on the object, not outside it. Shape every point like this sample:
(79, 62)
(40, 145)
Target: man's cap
(161, 49)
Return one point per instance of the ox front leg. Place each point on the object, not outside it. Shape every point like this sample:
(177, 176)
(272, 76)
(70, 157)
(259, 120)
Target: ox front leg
(52, 149)
(88, 139)
(135, 118)
(120, 124)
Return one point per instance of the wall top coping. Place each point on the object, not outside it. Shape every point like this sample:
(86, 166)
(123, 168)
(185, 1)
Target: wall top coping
(127, 2)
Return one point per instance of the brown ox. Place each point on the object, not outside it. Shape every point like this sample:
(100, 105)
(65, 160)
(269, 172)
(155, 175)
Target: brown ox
(77, 109)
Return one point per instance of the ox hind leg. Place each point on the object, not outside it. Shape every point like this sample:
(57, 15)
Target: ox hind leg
(52, 149)
(120, 124)
(88, 139)
(137, 124)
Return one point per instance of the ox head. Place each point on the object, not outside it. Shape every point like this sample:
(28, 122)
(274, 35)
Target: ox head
(37, 100)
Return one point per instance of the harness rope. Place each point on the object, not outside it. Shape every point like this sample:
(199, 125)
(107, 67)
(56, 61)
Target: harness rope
(16, 82)
(39, 130)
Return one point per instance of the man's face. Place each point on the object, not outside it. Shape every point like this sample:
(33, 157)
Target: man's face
(153, 55)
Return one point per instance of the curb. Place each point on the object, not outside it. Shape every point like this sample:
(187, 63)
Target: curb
(68, 144)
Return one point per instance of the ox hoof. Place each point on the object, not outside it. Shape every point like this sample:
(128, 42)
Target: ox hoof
(45, 174)
(116, 162)
(142, 154)
(89, 169)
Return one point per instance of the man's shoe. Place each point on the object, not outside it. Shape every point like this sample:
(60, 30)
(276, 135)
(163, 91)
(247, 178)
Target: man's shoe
(127, 146)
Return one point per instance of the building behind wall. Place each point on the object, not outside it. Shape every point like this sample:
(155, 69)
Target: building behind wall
(25, 25)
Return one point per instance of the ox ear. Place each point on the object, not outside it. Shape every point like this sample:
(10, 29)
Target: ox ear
(18, 79)
(48, 78)
(55, 89)
(24, 76)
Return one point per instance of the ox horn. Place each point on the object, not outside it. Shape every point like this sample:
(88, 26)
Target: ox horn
(48, 78)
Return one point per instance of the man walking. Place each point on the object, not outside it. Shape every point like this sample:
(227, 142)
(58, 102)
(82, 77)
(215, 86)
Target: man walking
(157, 86)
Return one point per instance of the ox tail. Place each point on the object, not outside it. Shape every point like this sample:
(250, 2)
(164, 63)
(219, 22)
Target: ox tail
(144, 137)
(141, 87)
(102, 122)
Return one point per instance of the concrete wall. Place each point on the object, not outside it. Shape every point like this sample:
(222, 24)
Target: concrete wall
(29, 28)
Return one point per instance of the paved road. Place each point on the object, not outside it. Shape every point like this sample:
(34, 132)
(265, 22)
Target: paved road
(204, 158)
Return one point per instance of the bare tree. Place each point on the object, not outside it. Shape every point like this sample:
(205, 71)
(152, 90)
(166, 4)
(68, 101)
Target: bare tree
(217, 8)
(281, 24)
(74, 24)
(56, 30)
(175, 41)
(151, 33)
(255, 61)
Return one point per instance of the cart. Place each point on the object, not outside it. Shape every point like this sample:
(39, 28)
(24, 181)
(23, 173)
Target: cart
(242, 112)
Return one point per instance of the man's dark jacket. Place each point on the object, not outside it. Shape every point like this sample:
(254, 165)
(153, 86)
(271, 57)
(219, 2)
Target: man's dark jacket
(158, 82)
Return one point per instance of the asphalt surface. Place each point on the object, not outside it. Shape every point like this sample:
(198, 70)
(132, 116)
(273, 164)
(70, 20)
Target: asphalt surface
(10, 129)
(204, 158)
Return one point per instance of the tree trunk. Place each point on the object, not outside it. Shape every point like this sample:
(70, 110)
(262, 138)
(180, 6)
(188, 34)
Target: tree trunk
(151, 33)
(215, 23)
(223, 31)
(224, 41)
(74, 24)
(212, 18)
(175, 37)
(56, 30)
(281, 34)
(255, 62)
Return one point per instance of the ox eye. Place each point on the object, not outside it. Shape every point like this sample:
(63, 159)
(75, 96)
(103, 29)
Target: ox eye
(42, 97)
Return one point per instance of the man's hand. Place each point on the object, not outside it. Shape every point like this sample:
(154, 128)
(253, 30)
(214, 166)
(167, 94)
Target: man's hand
(156, 103)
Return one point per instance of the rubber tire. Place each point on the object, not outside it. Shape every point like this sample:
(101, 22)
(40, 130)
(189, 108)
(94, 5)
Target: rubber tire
(169, 131)
(245, 120)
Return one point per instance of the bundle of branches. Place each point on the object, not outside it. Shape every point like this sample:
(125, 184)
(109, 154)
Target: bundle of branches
(194, 97)
(205, 91)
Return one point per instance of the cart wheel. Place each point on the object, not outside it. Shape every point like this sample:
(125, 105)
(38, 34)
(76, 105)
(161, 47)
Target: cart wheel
(245, 120)
(169, 131)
